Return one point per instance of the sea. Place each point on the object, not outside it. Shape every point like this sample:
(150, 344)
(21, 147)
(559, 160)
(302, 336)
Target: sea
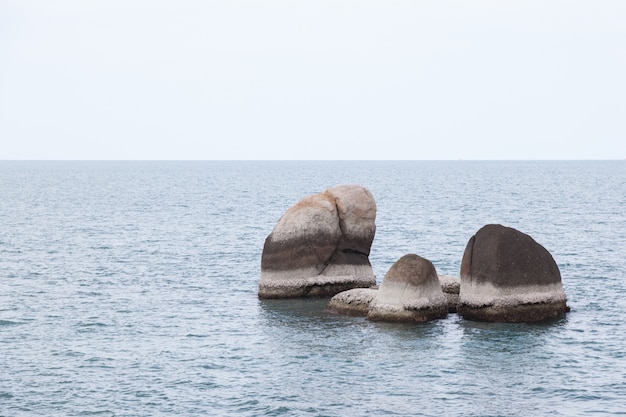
(130, 289)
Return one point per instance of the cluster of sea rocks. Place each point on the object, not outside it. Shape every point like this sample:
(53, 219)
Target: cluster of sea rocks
(321, 246)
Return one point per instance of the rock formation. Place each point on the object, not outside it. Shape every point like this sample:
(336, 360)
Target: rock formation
(354, 302)
(410, 292)
(320, 246)
(507, 276)
(451, 287)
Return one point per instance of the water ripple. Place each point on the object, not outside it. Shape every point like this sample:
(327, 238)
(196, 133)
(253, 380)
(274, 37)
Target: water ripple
(130, 289)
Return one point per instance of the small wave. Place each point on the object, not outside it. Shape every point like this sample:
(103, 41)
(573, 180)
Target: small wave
(212, 366)
(201, 336)
(9, 323)
(95, 324)
(96, 413)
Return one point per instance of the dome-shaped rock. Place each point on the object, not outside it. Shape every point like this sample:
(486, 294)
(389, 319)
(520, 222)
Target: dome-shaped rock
(410, 291)
(507, 276)
(320, 246)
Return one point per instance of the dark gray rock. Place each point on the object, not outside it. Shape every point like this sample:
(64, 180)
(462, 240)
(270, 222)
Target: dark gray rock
(321, 245)
(507, 276)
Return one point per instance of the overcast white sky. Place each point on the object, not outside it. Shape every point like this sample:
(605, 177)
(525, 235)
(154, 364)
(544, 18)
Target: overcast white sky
(299, 79)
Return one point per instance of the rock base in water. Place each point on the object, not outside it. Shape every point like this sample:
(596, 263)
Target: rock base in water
(520, 313)
(450, 287)
(313, 286)
(354, 302)
(415, 314)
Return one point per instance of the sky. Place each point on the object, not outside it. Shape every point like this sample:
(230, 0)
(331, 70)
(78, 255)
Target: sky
(312, 80)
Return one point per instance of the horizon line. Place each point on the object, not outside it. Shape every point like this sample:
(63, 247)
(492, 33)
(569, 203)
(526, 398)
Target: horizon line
(310, 160)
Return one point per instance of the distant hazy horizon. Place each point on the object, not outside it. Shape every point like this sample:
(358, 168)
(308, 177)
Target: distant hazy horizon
(311, 160)
(323, 80)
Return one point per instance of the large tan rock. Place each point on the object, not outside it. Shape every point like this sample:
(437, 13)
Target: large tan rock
(410, 292)
(321, 245)
(506, 276)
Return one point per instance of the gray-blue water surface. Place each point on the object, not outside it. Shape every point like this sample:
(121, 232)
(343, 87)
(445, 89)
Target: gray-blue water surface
(129, 289)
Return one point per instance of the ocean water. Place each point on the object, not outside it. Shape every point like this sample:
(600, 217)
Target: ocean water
(129, 289)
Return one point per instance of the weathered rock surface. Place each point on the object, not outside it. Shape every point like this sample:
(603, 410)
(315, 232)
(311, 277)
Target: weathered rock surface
(451, 287)
(507, 276)
(357, 301)
(321, 245)
(410, 291)
(353, 302)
